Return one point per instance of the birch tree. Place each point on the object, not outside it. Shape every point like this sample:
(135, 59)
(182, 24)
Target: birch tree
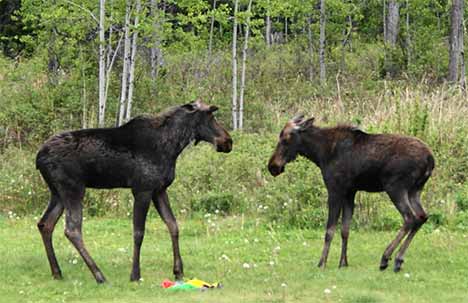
(125, 65)
(392, 22)
(156, 52)
(322, 43)
(102, 65)
(244, 60)
(131, 76)
(210, 43)
(455, 40)
(234, 67)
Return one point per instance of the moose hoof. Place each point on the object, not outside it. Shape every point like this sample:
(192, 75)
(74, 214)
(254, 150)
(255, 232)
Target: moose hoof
(383, 263)
(57, 275)
(135, 277)
(100, 278)
(343, 264)
(398, 263)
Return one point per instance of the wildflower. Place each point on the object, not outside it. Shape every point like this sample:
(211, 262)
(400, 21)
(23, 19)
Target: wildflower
(246, 265)
(327, 291)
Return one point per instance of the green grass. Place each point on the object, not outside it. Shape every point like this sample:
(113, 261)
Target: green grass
(436, 264)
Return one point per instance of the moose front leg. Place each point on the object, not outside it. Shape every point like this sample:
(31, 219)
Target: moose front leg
(334, 207)
(161, 202)
(140, 210)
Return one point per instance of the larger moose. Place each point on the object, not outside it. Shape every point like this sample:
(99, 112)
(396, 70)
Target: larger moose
(351, 160)
(140, 155)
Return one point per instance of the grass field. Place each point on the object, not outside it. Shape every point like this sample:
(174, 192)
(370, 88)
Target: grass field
(282, 264)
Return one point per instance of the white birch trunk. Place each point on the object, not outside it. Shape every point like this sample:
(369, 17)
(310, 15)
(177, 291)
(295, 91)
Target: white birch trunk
(392, 23)
(456, 23)
(131, 80)
(234, 68)
(102, 65)
(210, 43)
(408, 35)
(311, 49)
(156, 37)
(244, 61)
(322, 42)
(126, 59)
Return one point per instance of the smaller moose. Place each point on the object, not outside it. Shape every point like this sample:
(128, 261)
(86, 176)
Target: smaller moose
(140, 155)
(351, 160)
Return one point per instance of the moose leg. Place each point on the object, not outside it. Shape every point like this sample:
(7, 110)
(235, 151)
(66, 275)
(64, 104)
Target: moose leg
(140, 210)
(401, 201)
(421, 218)
(348, 209)
(161, 202)
(334, 207)
(46, 227)
(73, 223)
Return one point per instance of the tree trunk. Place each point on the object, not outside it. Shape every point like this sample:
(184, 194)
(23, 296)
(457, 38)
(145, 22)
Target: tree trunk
(234, 68)
(392, 23)
(462, 57)
(408, 35)
(102, 65)
(311, 49)
(210, 43)
(322, 43)
(244, 60)
(125, 65)
(456, 31)
(268, 28)
(131, 80)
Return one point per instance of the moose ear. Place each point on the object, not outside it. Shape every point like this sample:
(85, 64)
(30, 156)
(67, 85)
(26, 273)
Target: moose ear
(306, 123)
(190, 107)
(297, 118)
(213, 108)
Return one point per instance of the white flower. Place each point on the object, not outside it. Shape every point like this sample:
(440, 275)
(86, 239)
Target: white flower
(327, 291)
(74, 261)
(255, 240)
(255, 265)
(272, 263)
(246, 265)
(224, 257)
(284, 285)
(334, 286)
(407, 275)
(277, 248)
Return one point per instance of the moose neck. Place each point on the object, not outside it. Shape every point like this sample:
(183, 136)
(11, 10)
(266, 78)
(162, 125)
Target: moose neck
(315, 146)
(175, 136)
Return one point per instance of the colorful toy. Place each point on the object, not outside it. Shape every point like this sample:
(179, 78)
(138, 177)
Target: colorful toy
(189, 285)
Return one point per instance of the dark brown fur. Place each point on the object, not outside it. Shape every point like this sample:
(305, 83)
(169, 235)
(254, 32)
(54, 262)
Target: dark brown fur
(140, 155)
(351, 160)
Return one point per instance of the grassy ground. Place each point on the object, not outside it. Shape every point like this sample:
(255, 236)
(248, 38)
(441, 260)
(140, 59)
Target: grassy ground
(282, 264)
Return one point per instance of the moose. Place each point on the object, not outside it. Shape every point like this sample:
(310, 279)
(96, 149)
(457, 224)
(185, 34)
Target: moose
(351, 160)
(140, 155)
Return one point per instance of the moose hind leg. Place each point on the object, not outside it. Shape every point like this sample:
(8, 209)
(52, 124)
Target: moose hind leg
(334, 207)
(140, 211)
(399, 197)
(421, 218)
(161, 202)
(73, 224)
(347, 215)
(46, 227)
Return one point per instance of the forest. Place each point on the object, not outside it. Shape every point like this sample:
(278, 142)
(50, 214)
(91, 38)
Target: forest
(385, 66)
